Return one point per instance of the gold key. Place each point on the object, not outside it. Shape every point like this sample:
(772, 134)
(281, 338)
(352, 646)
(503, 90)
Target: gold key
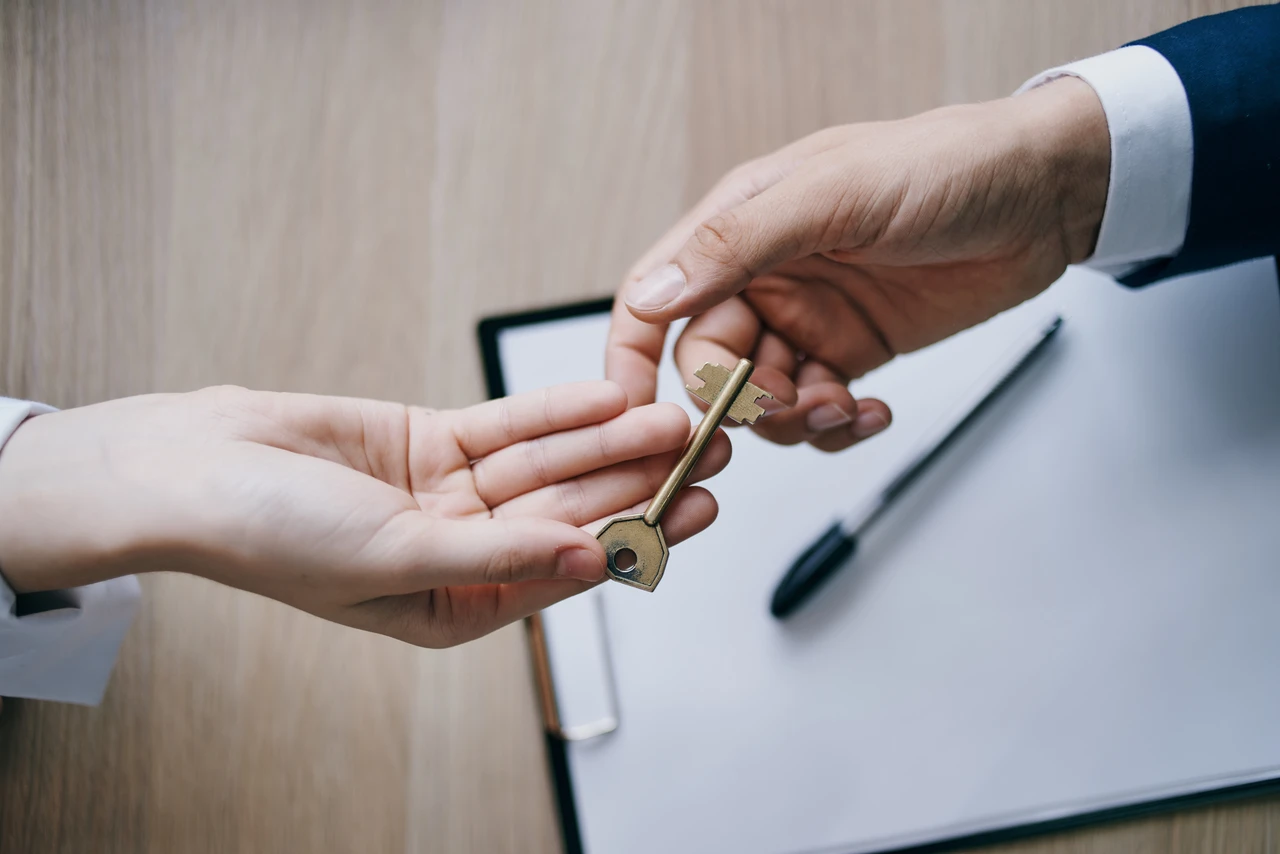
(634, 545)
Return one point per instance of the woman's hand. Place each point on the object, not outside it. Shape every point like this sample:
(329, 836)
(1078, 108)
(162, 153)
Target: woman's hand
(825, 259)
(432, 527)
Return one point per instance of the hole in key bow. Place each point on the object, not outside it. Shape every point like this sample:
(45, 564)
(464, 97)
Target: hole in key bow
(624, 560)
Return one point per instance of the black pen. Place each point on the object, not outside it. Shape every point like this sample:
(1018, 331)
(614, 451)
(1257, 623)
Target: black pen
(837, 544)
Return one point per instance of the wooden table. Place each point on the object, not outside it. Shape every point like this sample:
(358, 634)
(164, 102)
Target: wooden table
(325, 196)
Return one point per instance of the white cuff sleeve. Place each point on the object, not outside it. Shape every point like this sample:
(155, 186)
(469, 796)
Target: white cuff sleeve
(1149, 197)
(60, 645)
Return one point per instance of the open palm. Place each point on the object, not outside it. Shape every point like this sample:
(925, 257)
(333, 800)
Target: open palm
(435, 527)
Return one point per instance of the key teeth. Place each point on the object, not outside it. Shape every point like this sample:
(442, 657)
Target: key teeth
(713, 378)
(744, 410)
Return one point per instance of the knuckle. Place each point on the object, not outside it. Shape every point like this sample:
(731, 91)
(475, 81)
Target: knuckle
(655, 472)
(780, 434)
(447, 623)
(224, 399)
(506, 420)
(421, 619)
(737, 179)
(504, 565)
(604, 445)
(231, 408)
(573, 501)
(535, 453)
(720, 238)
(429, 626)
(548, 408)
(832, 446)
(671, 427)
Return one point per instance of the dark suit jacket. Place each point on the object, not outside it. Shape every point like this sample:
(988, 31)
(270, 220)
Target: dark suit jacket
(1230, 67)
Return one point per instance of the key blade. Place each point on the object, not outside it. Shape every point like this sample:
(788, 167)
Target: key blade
(744, 408)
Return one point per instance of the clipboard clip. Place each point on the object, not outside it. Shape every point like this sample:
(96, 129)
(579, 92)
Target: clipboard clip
(548, 703)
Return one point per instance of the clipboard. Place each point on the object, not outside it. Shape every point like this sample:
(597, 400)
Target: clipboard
(554, 732)
(561, 734)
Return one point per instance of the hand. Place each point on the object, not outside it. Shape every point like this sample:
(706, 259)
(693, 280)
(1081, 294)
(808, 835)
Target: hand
(828, 257)
(432, 527)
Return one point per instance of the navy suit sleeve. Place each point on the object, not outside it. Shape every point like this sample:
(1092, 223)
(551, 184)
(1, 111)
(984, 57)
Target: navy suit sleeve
(1229, 65)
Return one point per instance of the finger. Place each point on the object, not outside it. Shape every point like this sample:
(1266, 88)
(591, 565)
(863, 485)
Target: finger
(517, 601)
(742, 183)
(609, 491)
(632, 354)
(823, 403)
(831, 433)
(775, 353)
(420, 552)
(870, 415)
(540, 462)
(723, 335)
(633, 350)
(446, 616)
(482, 429)
(690, 513)
(813, 307)
(364, 435)
(873, 417)
(634, 347)
(729, 249)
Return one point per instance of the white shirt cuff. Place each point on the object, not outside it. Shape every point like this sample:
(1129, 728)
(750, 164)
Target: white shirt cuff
(64, 644)
(1149, 197)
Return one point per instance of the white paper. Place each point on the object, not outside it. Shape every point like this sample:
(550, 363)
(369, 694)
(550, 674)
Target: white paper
(1077, 607)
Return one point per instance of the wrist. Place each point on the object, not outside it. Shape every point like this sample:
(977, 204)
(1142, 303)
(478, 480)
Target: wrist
(41, 548)
(1065, 130)
(14, 526)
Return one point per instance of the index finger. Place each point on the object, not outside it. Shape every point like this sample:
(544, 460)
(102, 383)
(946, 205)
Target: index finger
(634, 348)
(482, 429)
(724, 334)
(632, 354)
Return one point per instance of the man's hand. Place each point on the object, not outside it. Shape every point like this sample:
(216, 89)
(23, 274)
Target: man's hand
(828, 257)
(432, 527)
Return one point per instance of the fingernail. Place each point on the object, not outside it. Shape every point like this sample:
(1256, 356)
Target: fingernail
(580, 564)
(656, 289)
(771, 405)
(825, 417)
(869, 424)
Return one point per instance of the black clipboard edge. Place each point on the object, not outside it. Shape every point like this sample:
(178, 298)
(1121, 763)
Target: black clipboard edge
(487, 331)
(1096, 818)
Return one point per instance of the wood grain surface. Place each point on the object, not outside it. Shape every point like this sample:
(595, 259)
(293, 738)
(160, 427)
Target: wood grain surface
(325, 195)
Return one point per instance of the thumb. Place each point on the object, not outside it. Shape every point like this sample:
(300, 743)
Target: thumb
(726, 252)
(429, 552)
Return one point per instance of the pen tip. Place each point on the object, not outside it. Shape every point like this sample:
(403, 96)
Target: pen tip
(779, 608)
